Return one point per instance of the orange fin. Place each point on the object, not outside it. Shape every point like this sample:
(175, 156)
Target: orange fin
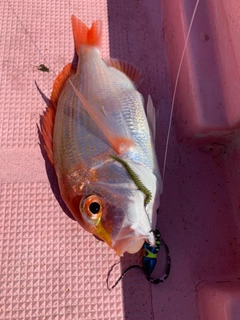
(47, 123)
(60, 81)
(119, 143)
(132, 72)
(84, 36)
(47, 130)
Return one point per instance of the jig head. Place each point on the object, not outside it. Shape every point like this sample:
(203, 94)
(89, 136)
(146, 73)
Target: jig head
(150, 259)
(150, 254)
(149, 262)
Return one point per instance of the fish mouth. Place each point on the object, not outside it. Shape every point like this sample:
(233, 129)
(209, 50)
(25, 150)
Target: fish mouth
(131, 241)
(132, 248)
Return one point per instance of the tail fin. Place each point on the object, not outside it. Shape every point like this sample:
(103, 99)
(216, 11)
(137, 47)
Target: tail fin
(84, 36)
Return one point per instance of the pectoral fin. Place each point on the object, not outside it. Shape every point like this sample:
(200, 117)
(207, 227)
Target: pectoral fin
(119, 143)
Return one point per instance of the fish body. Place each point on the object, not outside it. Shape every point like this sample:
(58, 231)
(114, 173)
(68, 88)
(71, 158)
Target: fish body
(98, 138)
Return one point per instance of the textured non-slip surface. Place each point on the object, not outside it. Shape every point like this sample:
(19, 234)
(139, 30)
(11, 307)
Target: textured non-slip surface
(49, 267)
(47, 270)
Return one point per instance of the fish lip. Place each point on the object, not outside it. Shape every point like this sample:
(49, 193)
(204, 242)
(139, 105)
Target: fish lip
(120, 250)
(98, 238)
(127, 244)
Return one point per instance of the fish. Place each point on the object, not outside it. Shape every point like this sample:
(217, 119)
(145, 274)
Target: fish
(100, 141)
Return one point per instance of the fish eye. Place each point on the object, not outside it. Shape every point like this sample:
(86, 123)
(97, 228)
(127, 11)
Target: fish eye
(92, 207)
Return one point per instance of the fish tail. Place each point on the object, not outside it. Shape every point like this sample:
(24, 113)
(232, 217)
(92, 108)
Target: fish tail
(84, 36)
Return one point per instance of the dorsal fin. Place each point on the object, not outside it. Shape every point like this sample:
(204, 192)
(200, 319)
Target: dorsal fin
(132, 72)
(48, 119)
(84, 36)
(60, 81)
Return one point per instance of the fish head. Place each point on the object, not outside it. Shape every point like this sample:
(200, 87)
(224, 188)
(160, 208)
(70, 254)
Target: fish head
(116, 216)
(113, 209)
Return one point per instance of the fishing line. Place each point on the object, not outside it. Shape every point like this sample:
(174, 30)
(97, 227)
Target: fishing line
(24, 27)
(42, 67)
(134, 266)
(176, 84)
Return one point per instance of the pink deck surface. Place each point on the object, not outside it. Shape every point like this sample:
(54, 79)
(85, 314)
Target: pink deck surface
(52, 269)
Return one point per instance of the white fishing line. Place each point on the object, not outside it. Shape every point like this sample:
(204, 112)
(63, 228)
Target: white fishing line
(175, 87)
